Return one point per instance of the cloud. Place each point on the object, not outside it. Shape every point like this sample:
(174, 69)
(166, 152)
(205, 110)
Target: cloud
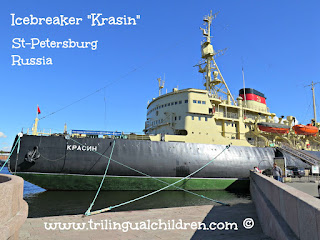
(2, 135)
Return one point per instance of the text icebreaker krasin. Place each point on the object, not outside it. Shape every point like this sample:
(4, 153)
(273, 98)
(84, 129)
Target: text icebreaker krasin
(97, 19)
(37, 43)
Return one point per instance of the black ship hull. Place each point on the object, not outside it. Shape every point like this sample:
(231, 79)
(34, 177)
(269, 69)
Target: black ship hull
(61, 159)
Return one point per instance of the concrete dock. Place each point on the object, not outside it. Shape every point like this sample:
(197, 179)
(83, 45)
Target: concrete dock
(34, 228)
(194, 222)
(310, 188)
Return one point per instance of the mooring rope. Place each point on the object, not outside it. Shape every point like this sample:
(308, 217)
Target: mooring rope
(18, 151)
(88, 212)
(157, 179)
(159, 190)
(18, 141)
(170, 185)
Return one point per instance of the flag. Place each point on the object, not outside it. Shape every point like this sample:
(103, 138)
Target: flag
(38, 110)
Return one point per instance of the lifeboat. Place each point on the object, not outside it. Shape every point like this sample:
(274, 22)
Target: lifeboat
(273, 127)
(307, 130)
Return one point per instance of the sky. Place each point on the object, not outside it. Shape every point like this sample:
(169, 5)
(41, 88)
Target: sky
(276, 42)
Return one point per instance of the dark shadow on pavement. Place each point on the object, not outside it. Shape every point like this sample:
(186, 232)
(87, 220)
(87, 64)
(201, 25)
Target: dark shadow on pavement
(234, 214)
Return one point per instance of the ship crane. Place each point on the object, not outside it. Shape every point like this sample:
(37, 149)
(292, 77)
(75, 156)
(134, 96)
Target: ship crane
(217, 85)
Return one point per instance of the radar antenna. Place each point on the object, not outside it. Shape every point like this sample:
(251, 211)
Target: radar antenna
(217, 85)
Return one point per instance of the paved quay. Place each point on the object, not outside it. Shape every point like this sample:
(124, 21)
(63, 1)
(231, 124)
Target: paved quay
(310, 188)
(34, 228)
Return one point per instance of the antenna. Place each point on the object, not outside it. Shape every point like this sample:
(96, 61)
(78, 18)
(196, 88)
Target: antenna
(244, 89)
(161, 85)
(314, 100)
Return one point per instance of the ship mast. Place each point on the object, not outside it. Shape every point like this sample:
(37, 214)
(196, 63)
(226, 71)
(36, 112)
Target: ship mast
(314, 101)
(217, 85)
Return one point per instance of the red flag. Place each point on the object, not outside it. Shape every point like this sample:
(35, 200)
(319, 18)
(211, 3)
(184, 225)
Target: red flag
(39, 110)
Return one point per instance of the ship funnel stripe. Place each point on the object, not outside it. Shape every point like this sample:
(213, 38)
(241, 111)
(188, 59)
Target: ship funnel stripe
(251, 91)
(253, 97)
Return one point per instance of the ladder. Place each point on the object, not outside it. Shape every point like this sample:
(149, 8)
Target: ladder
(306, 157)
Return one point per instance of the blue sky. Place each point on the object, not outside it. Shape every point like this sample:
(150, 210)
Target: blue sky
(275, 41)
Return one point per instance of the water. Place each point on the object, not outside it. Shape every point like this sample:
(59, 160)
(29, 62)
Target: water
(54, 203)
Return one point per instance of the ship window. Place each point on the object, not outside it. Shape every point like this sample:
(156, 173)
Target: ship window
(162, 106)
(203, 102)
(199, 132)
(192, 117)
(194, 101)
(171, 103)
(206, 119)
(185, 101)
(176, 103)
(199, 101)
(199, 118)
(180, 102)
(175, 118)
(165, 105)
(179, 117)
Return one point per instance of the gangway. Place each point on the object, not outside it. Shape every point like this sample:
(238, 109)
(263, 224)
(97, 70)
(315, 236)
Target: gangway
(305, 157)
